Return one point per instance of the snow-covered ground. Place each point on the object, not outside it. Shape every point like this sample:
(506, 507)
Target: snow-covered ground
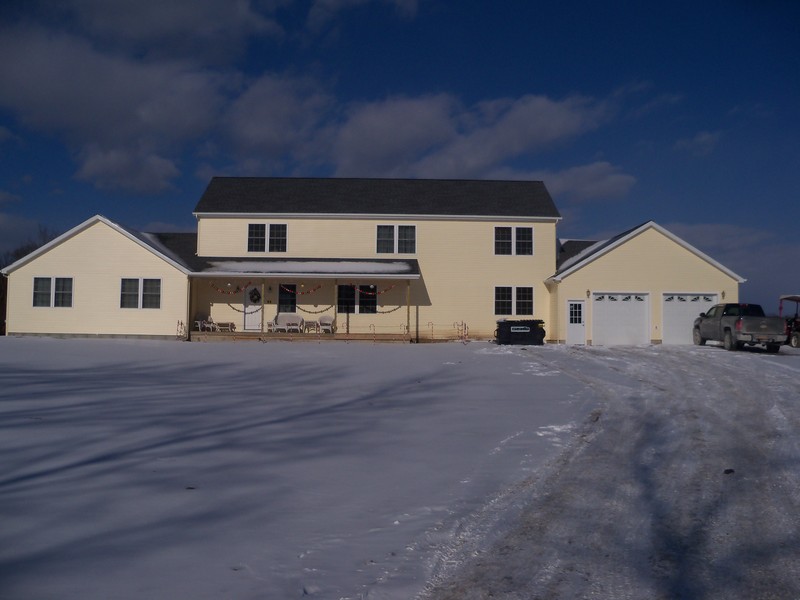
(135, 469)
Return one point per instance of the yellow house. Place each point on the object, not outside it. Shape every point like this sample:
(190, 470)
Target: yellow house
(407, 259)
(97, 279)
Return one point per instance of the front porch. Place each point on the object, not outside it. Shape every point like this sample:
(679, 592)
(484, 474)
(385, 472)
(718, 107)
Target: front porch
(301, 299)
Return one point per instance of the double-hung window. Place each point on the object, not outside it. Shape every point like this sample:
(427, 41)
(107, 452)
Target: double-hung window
(513, 240)
(259, 241)
(140, 293)
(52, 292)
(361, 299)
(287, 298)
(509, 300)
(397, 239)
(277, 237)
(256, 237)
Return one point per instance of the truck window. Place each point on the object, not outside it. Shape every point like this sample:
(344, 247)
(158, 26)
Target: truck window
(752, 310)
(731, 311)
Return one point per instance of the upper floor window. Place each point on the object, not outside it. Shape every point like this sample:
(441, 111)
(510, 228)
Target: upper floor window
(256, 237)
(513, 240)
(257, 240)
(397, 239)
(277, 238)
(140, 293)
(52, 291)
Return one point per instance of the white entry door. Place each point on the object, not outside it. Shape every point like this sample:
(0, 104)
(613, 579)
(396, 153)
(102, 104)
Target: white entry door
(253, 309)
(680, 311)
(620, 319)
(576, 322)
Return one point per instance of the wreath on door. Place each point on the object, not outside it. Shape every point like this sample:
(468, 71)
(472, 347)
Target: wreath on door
(255, 296)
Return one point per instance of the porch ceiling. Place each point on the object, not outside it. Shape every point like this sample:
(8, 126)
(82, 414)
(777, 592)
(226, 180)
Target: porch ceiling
(317, 268)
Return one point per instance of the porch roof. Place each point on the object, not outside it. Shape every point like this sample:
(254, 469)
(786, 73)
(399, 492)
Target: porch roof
(317, 268)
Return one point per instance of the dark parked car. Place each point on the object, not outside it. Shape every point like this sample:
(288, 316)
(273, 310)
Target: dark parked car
(737, 325)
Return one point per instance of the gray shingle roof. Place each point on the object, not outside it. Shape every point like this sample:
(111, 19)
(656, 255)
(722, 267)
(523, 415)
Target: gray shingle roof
(181, 247)
(255, 195)
(571, 248)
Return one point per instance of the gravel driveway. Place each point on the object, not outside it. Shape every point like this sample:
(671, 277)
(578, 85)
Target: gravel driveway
(683, 483)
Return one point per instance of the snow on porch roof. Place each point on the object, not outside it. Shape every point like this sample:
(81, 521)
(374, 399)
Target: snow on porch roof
(312, 267)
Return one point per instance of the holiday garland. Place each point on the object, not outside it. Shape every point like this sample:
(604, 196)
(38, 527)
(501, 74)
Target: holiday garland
(245, 311)
(314, 312)
(377, 293)
(296, 293)
(238, 289)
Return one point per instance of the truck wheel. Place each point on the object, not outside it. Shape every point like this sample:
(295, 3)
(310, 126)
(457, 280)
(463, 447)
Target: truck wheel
(773, 348)
(728, 343)
(697, 338)
(795, 341)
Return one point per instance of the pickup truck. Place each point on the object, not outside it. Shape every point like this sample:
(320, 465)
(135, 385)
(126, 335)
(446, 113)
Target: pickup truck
(737, 325)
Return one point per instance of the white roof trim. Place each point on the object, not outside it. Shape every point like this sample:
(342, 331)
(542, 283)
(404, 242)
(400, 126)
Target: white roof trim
(315, 269)
(78, 229)
(589, 255)
(373, 217)
(301, 275)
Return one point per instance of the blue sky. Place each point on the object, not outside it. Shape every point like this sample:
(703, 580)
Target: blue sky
(686, 113)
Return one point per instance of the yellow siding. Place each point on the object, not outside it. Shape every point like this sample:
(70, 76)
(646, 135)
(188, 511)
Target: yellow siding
(649, 263)
(457, 262)
(97, 258)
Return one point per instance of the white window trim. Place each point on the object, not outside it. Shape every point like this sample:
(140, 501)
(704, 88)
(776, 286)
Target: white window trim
(141, 293)
(514, 239)
(267, 238)
(514, 299)
(52, 303)
(396, 238)
(357, 287)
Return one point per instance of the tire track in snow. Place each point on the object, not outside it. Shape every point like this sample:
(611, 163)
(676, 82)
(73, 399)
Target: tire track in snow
(686, 486)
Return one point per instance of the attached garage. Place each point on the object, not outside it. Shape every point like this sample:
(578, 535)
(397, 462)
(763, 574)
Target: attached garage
(680, 311)
(629, 283)
(620, 319)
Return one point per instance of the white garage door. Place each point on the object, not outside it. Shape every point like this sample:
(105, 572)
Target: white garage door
(680, 311)
(619, 319)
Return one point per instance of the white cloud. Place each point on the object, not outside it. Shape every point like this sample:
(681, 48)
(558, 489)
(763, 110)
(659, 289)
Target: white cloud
(203, 30)
(435, 137)
(721, 238)
(322, 11)
(101, 103)
(8, 197)
(386, 138)
(5, 134)
(596, 181)
(701, 144)
(502, 129)
(128, 119)
(126, 168)
(277, 115)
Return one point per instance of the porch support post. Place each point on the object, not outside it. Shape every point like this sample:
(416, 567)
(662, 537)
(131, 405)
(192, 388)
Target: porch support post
(408, 307)
(262, 306)
(189, 302)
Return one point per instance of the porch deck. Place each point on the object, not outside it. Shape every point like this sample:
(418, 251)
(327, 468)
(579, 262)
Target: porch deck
(257, 336)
